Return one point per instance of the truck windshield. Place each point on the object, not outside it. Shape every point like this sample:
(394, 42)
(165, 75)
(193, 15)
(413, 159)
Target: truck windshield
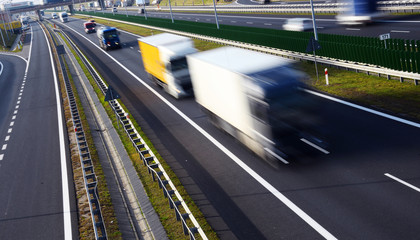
(111, 34)
(89, 25)
(177, 64)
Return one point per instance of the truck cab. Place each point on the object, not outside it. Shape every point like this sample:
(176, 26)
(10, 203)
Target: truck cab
(108, 38)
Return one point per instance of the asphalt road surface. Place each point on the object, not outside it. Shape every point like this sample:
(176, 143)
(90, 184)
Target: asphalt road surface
(37, 200)
(360, 190)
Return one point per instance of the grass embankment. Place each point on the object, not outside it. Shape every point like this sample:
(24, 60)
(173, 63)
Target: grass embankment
(7, 40)
(390, 96)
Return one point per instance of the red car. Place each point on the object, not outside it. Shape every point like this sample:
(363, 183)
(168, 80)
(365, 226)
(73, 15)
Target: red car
(89, 27)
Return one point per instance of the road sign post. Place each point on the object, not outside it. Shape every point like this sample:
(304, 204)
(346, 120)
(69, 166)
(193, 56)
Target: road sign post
(384, 37)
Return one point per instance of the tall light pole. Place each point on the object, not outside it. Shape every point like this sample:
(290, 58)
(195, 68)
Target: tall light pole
(170, 9)
(215, 14)
(316, 38)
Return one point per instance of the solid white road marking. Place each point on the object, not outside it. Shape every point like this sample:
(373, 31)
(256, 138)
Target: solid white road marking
(400, 31)
(417, 125)
(314, 146)
(353, 29)
(403, 182)
(310, 221)
(68, 235)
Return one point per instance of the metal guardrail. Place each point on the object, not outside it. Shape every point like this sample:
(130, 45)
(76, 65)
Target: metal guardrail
(89, 177)
(153, 165)
(380, 71)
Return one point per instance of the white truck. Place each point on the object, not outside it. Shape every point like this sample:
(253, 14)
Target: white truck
(63, 17)
(257, 98)
(164, 60)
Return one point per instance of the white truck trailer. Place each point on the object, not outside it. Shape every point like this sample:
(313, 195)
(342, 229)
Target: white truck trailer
(164, 60)
(255, 97)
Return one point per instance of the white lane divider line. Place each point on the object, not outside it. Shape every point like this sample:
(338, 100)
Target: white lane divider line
(1, 156)
(11, 124)
(17, 106)
(9, 130)
(4, 147)
(403, 182)
(400, 31)
(15, 112)
(14, 117)
(417, 125)
(7, 138)
(314, 146)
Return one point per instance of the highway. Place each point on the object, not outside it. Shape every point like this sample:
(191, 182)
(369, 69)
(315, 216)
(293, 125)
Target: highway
(37, 199)
(360, 190)
(404, 27)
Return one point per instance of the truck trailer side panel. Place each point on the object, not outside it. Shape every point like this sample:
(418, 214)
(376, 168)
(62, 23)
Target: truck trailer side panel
(221, 92)
(151, 60)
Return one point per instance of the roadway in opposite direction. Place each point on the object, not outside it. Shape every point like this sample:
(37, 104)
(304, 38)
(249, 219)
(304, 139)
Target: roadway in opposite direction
(37, 200)
(350, 193)
(403, 27)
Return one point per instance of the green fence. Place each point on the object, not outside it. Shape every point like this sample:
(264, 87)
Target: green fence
(398, 54)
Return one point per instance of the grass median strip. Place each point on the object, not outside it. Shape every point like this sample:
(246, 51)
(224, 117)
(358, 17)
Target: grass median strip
(107, 209)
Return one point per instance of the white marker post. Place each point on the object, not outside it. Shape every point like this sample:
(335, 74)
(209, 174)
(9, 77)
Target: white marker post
(326, 76)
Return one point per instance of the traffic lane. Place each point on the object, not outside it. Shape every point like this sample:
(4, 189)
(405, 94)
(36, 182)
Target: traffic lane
(31, 177)
(187, 151)
(347, 189)
(400, 27)
(239, 148)
(10, 80)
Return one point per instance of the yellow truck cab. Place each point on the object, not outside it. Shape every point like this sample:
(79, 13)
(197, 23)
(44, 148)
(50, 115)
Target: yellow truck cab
(164, 59)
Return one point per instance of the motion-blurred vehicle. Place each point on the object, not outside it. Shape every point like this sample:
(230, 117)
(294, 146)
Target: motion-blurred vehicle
(164, 60)
(114, 10)
(298, 24)
(93, 21)
(358, 12)
(108, 38)
(89, 27)
(54, 15)
(257, 98)
(63, 17)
